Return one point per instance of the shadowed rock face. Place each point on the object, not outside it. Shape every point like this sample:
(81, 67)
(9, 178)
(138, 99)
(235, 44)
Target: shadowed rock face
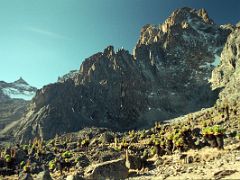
(166, 76)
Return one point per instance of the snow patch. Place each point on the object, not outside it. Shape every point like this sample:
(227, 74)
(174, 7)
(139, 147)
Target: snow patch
(16, 94)
(217, 60)
(23, 86)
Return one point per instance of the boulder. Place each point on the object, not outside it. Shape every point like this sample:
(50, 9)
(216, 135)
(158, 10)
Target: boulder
(74, 177)
(44, 175)
(20, 155)
(25, 176)
(133, 161)
(36, 168)
(106, 138)
(6, 171)
(82, 161)
(114, 169)
(72, 145)
(224, 173)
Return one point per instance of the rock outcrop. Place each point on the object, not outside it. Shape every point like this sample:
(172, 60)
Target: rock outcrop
(227, 74)
(114, 169)
(167, 76)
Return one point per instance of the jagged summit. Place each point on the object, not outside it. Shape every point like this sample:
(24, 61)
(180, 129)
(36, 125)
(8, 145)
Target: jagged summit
(18, 89)
(109, 51)
(186, 13)
(186, 20)
(20, 81)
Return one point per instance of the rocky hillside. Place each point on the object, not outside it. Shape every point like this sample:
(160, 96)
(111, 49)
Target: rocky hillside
(167, 76)
(179, 150)
(14, 98)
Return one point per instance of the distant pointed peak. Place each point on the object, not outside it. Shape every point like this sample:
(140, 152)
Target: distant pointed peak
(21, 81)
(109, 51)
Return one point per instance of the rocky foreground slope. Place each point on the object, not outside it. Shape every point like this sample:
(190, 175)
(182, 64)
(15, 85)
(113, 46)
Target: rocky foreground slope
(14, 98)
(167, 76)
(179, 150)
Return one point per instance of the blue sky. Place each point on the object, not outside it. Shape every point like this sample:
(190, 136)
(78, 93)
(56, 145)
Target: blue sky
(43, 39)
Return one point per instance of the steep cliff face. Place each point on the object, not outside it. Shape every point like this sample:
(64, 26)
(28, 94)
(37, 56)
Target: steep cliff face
(109, 91)
(166, 76)
(227, 74)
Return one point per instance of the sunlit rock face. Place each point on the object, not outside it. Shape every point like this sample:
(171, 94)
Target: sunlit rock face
(227, 74)
(167, 76)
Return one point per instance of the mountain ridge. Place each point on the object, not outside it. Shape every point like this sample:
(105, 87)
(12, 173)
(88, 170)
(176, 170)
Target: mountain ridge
(169, 69)
(14, 99)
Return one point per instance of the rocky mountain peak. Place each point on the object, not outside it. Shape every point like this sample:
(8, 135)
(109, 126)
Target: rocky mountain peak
(109, 51)
(203, 13)
(18, 89)
(190, 22)
(14, 99)
(181, 42)
(20, 81)
(184, 14)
